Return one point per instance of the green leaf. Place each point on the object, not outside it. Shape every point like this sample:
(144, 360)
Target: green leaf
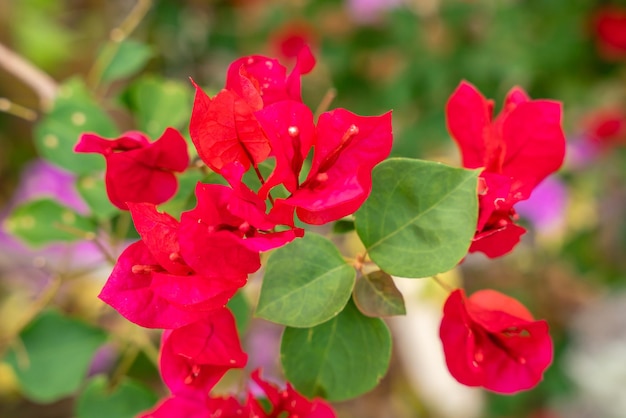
(420, 218)
(43, 221)
(160, 103)
(54, 355)
(339, 359)
(375, 294)
(184, 198)
(129, 58)
(343, 226)
(93, 191)
(57, 133)
(125, 401)
(240, 307)
(306, 282)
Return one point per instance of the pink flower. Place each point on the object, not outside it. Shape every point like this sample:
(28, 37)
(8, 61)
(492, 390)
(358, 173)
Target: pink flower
(491, 340)
(347, 147)
(154, 286)
(195, 357)
(517, 150)
(137, 170)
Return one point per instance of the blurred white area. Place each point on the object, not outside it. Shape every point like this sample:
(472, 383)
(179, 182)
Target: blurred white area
(416, 337)
(595, 360)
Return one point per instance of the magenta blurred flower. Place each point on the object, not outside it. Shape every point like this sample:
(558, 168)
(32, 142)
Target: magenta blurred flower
(40, 180)
(545, 208)
(369, 11)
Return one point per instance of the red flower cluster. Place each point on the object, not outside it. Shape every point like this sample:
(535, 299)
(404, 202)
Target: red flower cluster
(609, 25)
(181, 273)
(282, 403)
(517, 150)
(491, 340)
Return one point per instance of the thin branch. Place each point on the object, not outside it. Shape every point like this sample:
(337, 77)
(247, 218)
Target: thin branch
(328, 98)
(33, 310)
(117, 36)
(41, 83)
(443, 284)
(14, 109)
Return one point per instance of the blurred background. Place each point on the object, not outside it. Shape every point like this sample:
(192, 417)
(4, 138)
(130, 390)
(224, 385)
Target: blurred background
(375, 55)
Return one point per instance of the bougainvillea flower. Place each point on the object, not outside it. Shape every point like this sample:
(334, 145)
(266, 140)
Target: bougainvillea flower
(347, 147)
(217, 241)
(137, 170)
(225, 130)
(269, 77)
(153, 286)
(606, 128)
(517, 150)
(275, 403)
(491, 340)
(294, 40)
(128, 290)
(258, 226)
(291, 131)
(195, 357)
(287, 402)
(609, 25)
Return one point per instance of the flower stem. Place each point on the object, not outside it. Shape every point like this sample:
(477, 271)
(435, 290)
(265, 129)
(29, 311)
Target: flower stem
(14, 109)
(328, 98)
(443, 284)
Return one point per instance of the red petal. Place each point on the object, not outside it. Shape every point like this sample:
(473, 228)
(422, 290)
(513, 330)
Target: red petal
(493, 197)
(225, 130)
(130, 293)
(517, 362)
(507, 361)
(170, 151)
(139, 171)
(459, 343)
(347, 149)
(159, 231)
(177, 406)
(263, 71)
(290, 129)
(243, 202)
(497, 242)
(195, 357)
(535, 144)
(468, 116)
(495, 311)
(92, 143)
(196, 293)
(215, 254)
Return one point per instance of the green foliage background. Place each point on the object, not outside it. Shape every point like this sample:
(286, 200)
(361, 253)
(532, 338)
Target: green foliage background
(409, 60)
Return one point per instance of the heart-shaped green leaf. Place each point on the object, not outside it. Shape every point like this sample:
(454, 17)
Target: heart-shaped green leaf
(126, 400)
(306, 282)
(339, 359)
(54, 355)
(74, 113)
(43, 221)
(420, 218)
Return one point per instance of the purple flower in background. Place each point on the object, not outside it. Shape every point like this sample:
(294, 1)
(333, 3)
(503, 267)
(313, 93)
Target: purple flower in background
(369, 11)
(545, 208)
(581, 152)
(40, 179)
